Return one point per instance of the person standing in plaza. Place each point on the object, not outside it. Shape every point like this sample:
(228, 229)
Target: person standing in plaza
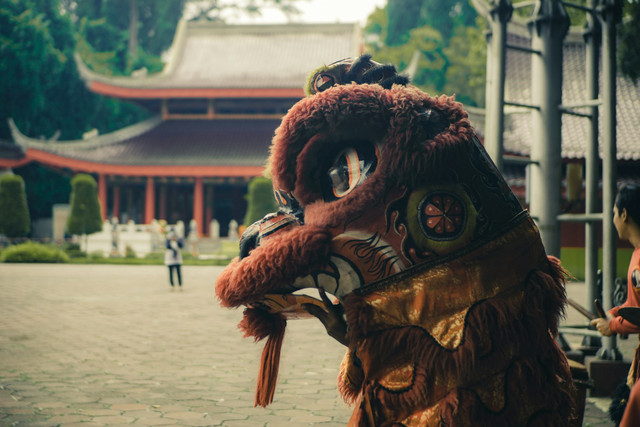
(626, 219)
(173, 258)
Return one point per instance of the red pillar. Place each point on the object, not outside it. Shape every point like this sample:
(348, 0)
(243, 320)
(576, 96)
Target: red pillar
(209, 210)
(198, 204)
(149, 201)
(163, 202)
(116, 201)
(102, 195)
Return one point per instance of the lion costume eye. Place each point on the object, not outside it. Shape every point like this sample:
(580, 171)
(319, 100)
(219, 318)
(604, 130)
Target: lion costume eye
(350, 168)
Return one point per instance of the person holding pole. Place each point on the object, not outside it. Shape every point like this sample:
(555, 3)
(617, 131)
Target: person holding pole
(626, 219)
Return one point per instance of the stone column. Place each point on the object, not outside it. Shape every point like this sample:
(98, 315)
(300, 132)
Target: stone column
(548, 30)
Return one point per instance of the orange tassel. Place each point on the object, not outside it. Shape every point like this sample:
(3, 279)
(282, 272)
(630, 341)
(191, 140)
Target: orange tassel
(270, 363)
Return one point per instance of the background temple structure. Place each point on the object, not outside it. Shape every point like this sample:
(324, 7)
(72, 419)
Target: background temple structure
(217, 104)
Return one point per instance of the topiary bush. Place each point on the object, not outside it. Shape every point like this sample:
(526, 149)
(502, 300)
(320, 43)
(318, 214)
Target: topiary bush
(14, 212)
(260, 200)
(84, 215)
(34, 252)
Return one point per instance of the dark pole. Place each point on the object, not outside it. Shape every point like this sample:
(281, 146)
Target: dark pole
(499, 14)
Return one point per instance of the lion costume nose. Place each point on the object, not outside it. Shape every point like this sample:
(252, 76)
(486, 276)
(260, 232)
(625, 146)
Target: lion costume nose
(270, 225)
(249, 239)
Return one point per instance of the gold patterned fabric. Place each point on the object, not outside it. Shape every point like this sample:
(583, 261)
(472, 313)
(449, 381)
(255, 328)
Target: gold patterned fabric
(461, 338)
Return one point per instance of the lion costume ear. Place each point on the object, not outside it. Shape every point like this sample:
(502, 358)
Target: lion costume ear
(259, 324)
(362, 70)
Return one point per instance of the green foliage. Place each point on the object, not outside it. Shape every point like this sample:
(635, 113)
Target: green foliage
(443, 40)
(96, 255)
(260, 200)
(444, 16)
(129, 252)
(85, 216)
(34, 252)
(40, 86)
(466, 74)
(73, 250)
(629, 48)
(14, 213)
(44, 189)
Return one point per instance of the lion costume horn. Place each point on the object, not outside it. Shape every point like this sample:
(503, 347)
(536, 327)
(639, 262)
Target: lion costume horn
(389, 202)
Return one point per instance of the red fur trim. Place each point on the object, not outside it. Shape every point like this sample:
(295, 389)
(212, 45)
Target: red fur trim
(259, 323)
(350, 378)
(274, 266)
(270, 363)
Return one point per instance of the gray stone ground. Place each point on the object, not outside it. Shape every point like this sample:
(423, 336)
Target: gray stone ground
(89, 345)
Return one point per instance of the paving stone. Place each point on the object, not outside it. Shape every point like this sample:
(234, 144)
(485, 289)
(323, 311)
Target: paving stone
(65, 419)
(100, 412)
(109, 345)
(128, 407)
(114, 420)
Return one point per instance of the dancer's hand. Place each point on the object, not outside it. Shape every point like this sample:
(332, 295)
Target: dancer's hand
(602, 325)
(332, 317)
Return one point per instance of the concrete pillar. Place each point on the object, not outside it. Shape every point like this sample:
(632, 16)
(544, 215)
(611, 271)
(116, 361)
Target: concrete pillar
(609, 17)
(149, 201)
(592, 168)
(198, 204)
(548, 27)
(500, 14)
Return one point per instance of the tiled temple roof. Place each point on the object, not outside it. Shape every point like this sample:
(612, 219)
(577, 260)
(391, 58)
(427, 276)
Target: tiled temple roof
(210, 143)
(214, 55)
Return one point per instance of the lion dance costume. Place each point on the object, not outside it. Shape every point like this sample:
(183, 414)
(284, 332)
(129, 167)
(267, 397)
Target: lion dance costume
(389, 202)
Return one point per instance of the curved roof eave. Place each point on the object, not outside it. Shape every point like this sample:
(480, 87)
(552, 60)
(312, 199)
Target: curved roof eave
(44, 157)
(156, 93)
(99, 140)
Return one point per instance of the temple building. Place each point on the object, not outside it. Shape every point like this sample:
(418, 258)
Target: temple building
(217, 104)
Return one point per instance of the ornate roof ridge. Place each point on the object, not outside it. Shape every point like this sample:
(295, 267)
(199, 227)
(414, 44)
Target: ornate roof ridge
(83, 144)
(185, 29)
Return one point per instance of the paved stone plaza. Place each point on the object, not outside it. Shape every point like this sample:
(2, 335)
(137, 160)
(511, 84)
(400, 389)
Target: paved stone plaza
(91, 345)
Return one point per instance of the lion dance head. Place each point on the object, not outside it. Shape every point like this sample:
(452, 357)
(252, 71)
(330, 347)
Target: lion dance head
(389, 202)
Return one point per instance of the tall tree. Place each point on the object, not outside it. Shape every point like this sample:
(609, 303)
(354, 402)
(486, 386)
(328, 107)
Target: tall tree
(439, 42)
(629, 48)
(137, 38)
(41, 89)
(443, 15)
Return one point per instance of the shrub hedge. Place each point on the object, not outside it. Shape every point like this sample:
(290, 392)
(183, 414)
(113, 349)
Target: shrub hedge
(34, 252)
